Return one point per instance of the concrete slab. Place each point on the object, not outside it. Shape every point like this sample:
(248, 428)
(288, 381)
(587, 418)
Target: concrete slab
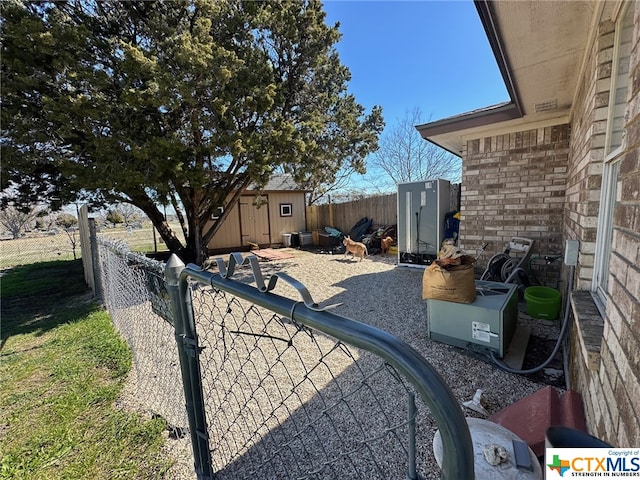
(514, 358)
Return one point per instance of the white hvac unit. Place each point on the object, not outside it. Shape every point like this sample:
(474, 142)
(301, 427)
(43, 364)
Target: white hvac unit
(422, 207)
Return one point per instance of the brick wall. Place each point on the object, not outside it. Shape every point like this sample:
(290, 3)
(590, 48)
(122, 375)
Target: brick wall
(618, 382)
(514, 185)
(587, 152)
(609, 380)
(583, 199)
(545, 184)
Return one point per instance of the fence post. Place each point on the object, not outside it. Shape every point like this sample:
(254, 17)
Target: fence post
(188, 353)
(98, 288)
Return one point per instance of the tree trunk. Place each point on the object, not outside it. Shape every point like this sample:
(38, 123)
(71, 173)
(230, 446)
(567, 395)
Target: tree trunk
(193, 252)
(199, 249)
(168, 236)
(172, 242)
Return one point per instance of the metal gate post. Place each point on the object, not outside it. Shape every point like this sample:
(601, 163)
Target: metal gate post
(188, 353)
(411, 404)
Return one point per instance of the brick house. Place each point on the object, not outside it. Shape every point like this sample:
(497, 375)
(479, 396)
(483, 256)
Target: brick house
(559, 162)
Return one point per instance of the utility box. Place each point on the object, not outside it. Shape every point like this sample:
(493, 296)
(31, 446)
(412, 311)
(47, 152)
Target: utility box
(306, 238)
(484, 326)
(422, 207)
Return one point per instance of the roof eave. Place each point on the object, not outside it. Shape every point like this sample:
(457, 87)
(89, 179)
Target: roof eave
(487, 16)
(477, 118)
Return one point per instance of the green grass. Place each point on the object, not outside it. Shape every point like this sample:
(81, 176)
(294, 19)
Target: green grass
(62, 367)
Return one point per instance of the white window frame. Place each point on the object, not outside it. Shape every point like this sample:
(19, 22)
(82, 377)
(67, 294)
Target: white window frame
(609, 188)
(286, 210)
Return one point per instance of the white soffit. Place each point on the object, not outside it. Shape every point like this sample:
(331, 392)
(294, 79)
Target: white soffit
(544, 43)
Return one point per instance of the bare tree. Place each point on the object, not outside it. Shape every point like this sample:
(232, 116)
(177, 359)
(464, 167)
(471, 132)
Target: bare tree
(320, 192)
(406, 157)
(68, 223)
(129, 213)
(16, 220)
(73, 240)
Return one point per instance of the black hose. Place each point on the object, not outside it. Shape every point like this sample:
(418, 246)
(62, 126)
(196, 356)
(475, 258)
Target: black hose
(563, 332)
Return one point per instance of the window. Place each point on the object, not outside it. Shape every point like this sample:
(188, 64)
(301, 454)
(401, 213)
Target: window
(286, 210)
(217, 213)
(614, 146)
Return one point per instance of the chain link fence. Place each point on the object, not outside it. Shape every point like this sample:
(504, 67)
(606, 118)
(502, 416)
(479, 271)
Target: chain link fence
(58, 244)
(285, 401)
(274, 388)
(39, 247)
(141, 237)
(133, 291)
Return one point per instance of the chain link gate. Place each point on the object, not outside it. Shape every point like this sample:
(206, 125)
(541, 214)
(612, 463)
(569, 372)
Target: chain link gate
(280, 388)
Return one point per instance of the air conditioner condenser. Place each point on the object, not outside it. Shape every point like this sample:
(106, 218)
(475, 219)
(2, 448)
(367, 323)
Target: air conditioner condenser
(486, 325)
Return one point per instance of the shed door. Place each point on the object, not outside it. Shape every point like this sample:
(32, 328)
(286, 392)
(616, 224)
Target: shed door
(254, 222)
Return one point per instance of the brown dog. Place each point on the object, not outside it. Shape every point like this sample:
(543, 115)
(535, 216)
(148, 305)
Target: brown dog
(356, 248)
(385, 243)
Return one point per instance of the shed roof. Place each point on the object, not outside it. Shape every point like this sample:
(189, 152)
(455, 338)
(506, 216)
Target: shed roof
(278, 183)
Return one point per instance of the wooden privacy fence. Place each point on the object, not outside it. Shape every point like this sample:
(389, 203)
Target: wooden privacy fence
(383, 210)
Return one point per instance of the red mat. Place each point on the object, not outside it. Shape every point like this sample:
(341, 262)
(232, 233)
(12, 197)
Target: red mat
(530, 417)
(271, 254)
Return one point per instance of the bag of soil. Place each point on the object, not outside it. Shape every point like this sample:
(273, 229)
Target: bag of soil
(443, 280)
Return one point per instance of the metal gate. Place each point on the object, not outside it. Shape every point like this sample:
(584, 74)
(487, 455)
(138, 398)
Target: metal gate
(282, 388)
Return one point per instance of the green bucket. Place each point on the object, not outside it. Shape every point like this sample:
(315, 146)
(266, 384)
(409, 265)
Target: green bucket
(543, 302)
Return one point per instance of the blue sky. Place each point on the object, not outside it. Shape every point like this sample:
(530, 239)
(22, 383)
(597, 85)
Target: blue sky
(406, 54)
(403, 55)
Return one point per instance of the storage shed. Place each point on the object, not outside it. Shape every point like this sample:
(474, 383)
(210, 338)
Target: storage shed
(262, 216)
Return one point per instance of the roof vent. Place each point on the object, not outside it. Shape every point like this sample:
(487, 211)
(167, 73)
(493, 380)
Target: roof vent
(546, 106)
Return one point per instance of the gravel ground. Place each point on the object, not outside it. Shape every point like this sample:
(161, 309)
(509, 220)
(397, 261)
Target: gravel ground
(377, 292)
